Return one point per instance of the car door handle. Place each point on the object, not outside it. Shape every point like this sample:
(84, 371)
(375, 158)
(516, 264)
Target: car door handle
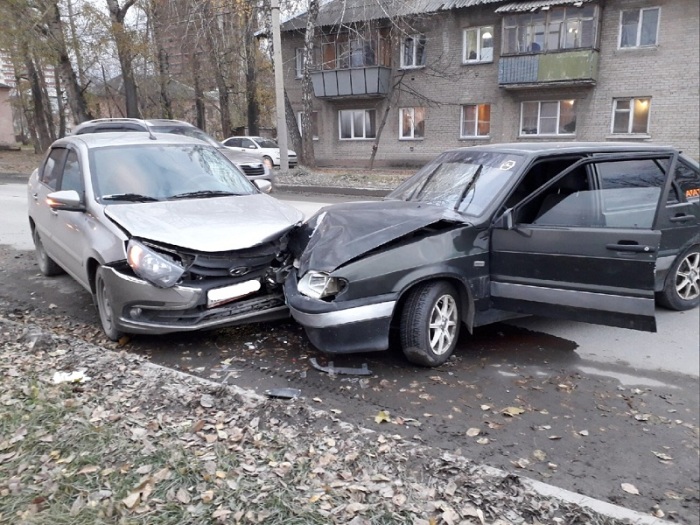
(35, 196)
(629, 246)
(682, 218)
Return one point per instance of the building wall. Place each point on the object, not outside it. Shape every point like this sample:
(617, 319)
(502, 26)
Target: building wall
(7, 134)
(668, 73)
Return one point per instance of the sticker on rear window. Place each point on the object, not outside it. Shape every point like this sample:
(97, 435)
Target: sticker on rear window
(507, 165)
(694, 192)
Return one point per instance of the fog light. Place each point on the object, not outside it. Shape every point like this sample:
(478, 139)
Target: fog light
(135, 313)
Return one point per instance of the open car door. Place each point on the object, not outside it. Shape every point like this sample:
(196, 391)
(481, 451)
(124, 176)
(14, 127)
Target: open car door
(582, 247)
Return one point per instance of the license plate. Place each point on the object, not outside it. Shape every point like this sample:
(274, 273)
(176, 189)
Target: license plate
(219, 296)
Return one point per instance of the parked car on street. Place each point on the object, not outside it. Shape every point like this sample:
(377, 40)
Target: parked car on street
(264, 149)
(581, 231)
(253, 167)
(163, 231)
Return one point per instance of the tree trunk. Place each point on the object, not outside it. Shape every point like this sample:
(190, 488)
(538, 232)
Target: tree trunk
(307, 156)
(76, 96)
(251, 75)
(387, 109)
(40, 128)
(48, 106)
(166, 105)
(213, 39)
(59, 105)
(293, 129)
(199, 108)
(126, 59)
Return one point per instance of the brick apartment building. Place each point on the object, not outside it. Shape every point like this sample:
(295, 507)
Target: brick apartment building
(470, 72)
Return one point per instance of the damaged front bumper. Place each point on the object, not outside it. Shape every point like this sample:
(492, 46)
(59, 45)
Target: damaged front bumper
(345, 326)
(141, 308)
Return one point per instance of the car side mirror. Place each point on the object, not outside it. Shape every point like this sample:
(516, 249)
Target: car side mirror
(505, 221)
(263, 185)
(66, 200)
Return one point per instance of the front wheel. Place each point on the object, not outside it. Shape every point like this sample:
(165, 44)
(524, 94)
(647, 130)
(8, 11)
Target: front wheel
(430, 323)
(103, 301)
(682, 288)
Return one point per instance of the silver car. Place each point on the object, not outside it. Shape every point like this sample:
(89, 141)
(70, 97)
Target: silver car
(166, 233)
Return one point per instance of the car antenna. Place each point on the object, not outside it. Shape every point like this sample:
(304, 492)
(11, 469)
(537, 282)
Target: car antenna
(151, 135)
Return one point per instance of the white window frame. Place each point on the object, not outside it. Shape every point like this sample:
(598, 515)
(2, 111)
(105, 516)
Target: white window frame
(416, 44)
(354, 136)
(474, 133)
(299, 59)
(630, 116)
(412, 118)
(639, 28)
(315, 137)
(539, 118)
(480, 31)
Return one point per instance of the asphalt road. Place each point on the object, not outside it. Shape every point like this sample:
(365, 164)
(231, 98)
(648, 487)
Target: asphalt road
(583, 407)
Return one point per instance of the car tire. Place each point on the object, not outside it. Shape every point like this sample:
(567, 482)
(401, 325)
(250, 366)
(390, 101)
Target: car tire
(47, 266)
(103, 301)
(682, 288)
(430, 323)
(268, 159)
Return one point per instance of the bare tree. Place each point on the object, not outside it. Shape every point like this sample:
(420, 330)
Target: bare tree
(117, 14)
(307, 143)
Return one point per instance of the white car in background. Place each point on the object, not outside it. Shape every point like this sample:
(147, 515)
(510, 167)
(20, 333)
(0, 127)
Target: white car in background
(265, 149)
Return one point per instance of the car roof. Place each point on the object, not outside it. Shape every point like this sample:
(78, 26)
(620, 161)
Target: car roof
(125, 138)
(536, 149)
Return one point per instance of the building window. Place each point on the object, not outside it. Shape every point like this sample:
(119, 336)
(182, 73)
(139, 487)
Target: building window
(314, 124)
(411, 123)
(476, 120)
(556, 117)
(557, 28)
(413, 51)
(631, 115)
(357, 123)
(639, 27)
(478, 45)
(299, 61)
(361, 47)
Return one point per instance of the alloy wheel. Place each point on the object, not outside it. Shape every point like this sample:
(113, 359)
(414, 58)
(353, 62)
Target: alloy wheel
(443, 324)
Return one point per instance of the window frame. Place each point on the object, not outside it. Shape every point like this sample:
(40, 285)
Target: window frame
(476, 135)
(630, 117)
(416, 38)
(299, 60)
(539, 123)
(479, 32)
(413, 121)
(352, 124)
(638, 45)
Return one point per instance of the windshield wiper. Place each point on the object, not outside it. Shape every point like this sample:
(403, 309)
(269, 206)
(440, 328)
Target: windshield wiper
(201, 194)
(469, 186)
(131, 197)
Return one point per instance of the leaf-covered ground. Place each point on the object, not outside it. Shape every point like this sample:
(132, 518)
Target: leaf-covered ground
(135, 443)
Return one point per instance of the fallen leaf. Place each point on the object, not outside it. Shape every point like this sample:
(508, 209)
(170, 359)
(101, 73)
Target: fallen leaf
(642, 417)
(207, 496)
(485, 407)
(382, 417)
(90, 469)
(662, 456)
(583, 432)
(629, 488)
(132, 499)
(539, 455)
(483, 441)
(183, 496)
(513, 411)
(473, 432)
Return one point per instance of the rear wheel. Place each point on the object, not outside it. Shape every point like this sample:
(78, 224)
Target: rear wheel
(268, 161)
(430, 323)
(47, 265)
(103, 301)
(682, 288)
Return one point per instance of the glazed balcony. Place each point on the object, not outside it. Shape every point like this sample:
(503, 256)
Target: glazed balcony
(362, 82)
(576, 67)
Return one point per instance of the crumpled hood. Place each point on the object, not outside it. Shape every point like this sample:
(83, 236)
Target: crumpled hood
(209, 225)
(340, 233)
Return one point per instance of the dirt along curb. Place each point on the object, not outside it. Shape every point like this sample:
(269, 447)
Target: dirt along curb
(124, 439)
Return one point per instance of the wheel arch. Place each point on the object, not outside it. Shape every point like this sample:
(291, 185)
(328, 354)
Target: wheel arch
(466, 300)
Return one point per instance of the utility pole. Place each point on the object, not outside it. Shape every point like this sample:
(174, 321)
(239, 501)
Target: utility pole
(279, 86)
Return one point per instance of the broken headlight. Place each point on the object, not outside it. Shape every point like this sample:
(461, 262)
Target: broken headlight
(156, 268)
(320, 285)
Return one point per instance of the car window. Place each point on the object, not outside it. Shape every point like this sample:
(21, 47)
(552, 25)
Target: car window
(626, 197)
(266, 143)
(71, 179)
(233, 143)
(162, 171)
(247, 143)
(187, 131)
(688, 180)
(52, 167)
(464, 181)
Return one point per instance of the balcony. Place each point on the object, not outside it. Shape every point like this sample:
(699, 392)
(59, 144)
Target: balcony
(577, 67)
(365, 82)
